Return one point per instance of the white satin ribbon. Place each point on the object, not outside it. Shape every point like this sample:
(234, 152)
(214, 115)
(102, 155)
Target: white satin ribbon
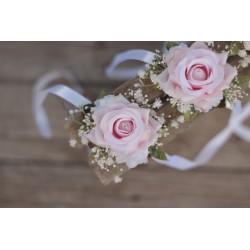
(212, 147)
(144, 56)
(40, 93)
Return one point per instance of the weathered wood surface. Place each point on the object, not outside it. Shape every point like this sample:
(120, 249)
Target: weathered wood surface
(35, 172)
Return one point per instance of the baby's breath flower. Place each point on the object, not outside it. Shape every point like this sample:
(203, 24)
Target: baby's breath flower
(174, 124)
(157, 103)
(210, 43)
(84, 139)
(247, 59)
(131, 92)
(163, 132)
(138, 94)
(182, 107)
(141, 74)
(181, 119)
(103, 157)
(94, 149)
(243, 64)
(234, 93)
(80, 132)
(153, 78)
(117, 179)
(72, 143)
(161, 119)
(242, 53)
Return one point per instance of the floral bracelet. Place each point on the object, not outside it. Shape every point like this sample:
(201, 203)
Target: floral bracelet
(191, 77)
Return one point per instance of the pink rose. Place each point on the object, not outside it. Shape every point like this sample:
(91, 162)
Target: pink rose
(196, 75)
(125, 128)
(246, 45)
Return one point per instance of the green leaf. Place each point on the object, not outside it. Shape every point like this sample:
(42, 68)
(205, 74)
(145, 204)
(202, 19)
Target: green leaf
(234, 48)
(158, 153)
(171, 44)
(91, 156)
(243, 80)
(101, 94)
(189, 116)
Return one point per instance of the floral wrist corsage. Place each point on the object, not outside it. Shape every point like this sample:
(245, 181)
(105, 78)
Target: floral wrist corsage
(192, 78)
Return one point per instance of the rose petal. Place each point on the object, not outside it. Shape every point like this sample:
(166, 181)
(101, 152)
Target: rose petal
(199, 45)
(230, 73)
(223, 57)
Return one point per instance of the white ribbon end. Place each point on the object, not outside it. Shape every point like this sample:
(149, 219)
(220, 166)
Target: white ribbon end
(46, 134)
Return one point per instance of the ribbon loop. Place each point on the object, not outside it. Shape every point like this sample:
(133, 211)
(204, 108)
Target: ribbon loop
(236, 121)
(144, 56)
(212, 147)
(62, 91)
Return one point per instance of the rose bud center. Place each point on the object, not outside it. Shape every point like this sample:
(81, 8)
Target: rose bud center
(197, 73)
(123, 127)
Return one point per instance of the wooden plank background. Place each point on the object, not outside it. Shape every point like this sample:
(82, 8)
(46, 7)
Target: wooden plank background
(35, 172)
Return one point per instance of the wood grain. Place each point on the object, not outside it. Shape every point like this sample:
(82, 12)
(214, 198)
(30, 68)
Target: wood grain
(35, 172)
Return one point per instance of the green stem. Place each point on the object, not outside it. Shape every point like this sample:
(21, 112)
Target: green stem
(148, 85)
(243, 80)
